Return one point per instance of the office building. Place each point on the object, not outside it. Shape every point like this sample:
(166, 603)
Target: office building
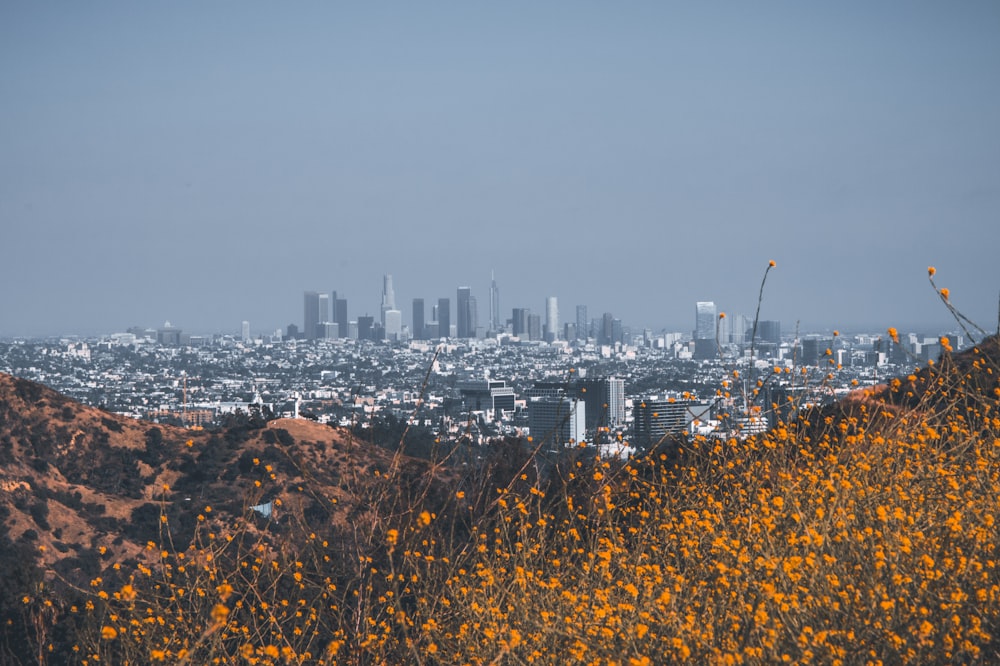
(519, 322)
(582, 323)
(245, 332)
(557, 421)
(393, 327)
(605, 399)
(339, 313)
(317, 311)
(465, 324)
(705, 344)
(657, 417)
(492, 396)
(534, 327)
(496, 324)
(388, 297)
(551, 319)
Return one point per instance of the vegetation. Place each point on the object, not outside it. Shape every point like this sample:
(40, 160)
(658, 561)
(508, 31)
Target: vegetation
(864, 533)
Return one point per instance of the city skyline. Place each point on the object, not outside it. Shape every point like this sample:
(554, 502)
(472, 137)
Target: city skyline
(205, 164)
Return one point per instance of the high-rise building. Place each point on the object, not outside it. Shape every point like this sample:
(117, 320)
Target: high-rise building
(340, 313)
(705, 315)
(705, 344)
(418, 319)
(605, 398)
(557, 421)
(495, 323)
(317, 311)
(465, 324)
(607, 336)
(519, 322)
(551, 319)
(534, 327)
(582, 323)
(444, 317)
(366, 327)
(656, 417)
(245, 333)
(769, 331)
(388, 296)
(393, 327)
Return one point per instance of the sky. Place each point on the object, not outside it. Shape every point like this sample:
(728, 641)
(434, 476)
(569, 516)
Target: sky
(207, 163)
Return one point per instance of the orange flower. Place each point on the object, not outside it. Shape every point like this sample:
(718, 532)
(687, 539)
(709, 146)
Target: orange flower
(894, 334)
(944, 293)
(722, 315)
(109, 633)
(931, 271)
(771, 264)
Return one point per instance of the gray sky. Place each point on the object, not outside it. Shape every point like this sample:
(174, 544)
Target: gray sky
(208, 162)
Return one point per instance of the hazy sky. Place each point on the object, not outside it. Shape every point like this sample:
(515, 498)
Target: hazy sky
(208, 162)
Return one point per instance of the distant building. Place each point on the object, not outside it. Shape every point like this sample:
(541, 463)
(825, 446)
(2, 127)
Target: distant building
(245, 332)
(465, 322)
(558, 421)
(366, 328)
(317, 311)
(168, 335)
(769, 331)
(657, 417)
(534, 327)
(388, 298)
(605, 399)
(551, 319)
(488, 395)
(519, 322)
(705, 344)
(582, 323)
(340, 312)
(496, 324)
(393, 327)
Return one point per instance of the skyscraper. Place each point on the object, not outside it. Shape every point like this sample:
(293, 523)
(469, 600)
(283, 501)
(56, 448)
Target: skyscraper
(705, 345)
(388, 296)
(705, 314)
(464, 326)
(551, 319)
(317, 311)
(519, 322)
(495, 323)
(444, 317)
(582, 324)
(245, 333)
(418, 319)
(340, 314)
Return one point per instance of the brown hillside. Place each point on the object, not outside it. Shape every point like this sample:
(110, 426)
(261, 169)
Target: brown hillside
(84, 488)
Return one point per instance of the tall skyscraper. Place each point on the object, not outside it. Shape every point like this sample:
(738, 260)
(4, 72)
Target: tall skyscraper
(495, 322)
(705, 315)
(582, 324)
(551, 319)
(317, 311)
(519, 322)
(607, 335)
(245, 333)
(705, 345)
(340, 314)
(388, 296)
(464, 326)
(418, 319)
(444, 317)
